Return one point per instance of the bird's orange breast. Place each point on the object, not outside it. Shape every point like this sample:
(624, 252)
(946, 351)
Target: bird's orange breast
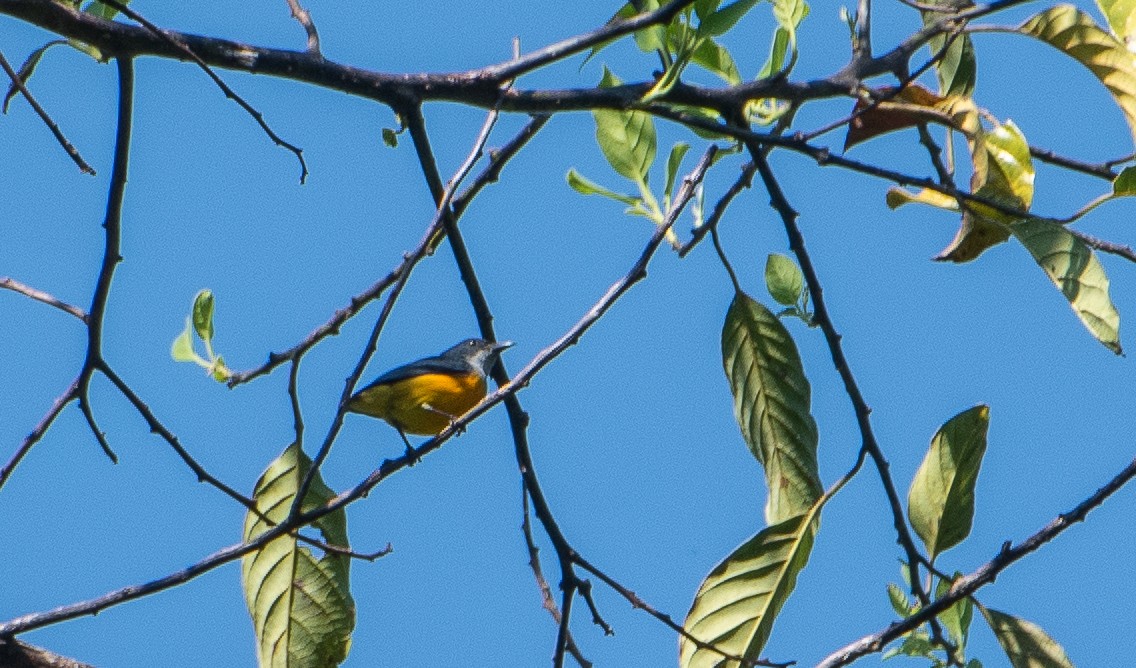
(421, 404)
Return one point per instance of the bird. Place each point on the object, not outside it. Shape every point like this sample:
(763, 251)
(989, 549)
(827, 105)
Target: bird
(427, 396)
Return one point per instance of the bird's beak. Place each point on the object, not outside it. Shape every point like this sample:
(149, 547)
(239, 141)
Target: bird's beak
(501, 345)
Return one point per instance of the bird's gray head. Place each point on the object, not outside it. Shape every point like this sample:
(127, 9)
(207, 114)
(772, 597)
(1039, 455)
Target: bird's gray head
(478, 353)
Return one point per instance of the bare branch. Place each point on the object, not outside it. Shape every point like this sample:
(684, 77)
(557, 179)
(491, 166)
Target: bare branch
(305, 18)
(47, 120)
(16, 286)
(39, 430)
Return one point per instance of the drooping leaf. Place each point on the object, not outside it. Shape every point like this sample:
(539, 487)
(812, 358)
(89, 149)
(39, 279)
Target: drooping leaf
(783, 279)
(771, 404)
(720, 22)
(182, 348)
(301, 606)
(627, 138)
(884, 118)
(203, 315)
(736, 605)
(956, 619)
(1025, 643)
(1075, 33)
(1076, 271)
(674, 161)
(27, 69)
(940, 503)
(585, 186)
(916, 643)
(957, 68)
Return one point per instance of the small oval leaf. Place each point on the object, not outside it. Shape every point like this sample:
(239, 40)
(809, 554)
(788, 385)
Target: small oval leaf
(940, 503)
(783, 279)
(771, 403)
(182, 348)
(203, 315)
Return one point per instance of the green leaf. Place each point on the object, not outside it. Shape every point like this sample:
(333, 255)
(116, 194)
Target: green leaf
(674, 161)
(583, 186)
(940, 503)
(916, 644)
(725, 18)
(704, 8)
(26, 70)
(220, 372)
(771, 404)
(783, 279)
(103, 11)
(1026, 645)
(1076, 271)
(1121, 15)
(1124, 183)
(958, 68)
(390, 137)
(627, 138)
(182, 348)
(1067, 28)
(717, 60)
(301, 606)
(899, 601)
(736, 605)
(956, 619)
(203, 316)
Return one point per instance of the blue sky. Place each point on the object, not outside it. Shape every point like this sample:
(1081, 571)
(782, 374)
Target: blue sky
(632, 431)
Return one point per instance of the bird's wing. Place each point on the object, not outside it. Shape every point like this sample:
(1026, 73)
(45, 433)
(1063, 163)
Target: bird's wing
(423, 366)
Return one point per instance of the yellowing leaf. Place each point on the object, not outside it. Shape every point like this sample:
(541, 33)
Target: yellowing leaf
(897, 197)
(771, 403)
(1075, 270)
(1004, 173)
(1069, 29)
(301, 606)
(737, 603)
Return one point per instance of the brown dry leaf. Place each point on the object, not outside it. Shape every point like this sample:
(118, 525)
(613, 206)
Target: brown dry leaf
(884, 118)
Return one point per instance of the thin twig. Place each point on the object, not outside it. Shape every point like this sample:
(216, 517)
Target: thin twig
(172, 40)
(305, 18)
(38, 295)
(39, 430)
(1122, 250)
(1103, 170)
(47, 120)
(743, 182)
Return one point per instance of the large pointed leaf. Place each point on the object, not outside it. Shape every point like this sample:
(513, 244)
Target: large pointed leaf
(738, 602)
(1026, 645)
(1075, 270)
(771, 404)
(940, 503)
(627, 138)
(301, 606)
(956, 619)
(1074, 32)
